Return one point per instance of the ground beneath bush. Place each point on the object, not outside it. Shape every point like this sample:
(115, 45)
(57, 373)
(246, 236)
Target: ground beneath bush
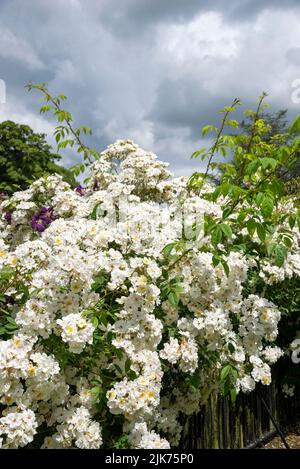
(292, 437)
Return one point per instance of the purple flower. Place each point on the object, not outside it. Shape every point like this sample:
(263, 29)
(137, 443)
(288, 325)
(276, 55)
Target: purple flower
(80, 190)
(3, 195)
(41, 219)
(7, 217)
(96, 185)
(38, 223)
(47, 213)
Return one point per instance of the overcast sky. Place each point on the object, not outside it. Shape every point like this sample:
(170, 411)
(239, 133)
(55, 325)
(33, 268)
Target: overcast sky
(155, 71)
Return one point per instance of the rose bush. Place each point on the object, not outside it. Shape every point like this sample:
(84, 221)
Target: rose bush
(126, 303)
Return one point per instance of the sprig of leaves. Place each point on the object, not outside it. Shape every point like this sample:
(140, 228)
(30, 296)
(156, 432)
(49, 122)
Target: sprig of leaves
(66, 134)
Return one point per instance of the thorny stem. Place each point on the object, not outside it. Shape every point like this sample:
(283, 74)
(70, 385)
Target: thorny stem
(254, 121)
(179, 258)
(215, 145)
(256, 115)
(69, 125)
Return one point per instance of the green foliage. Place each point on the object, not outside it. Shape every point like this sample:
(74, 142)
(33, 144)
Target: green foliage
(250, 221)
(122, 442)
(228, 377)
(11, 302)
(286, 296)
(276, 133)
(171, 290)
(66, 134)
(250, 184)
(26, 156)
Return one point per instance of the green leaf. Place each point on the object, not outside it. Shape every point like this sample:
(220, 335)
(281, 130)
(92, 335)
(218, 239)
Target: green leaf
(288, 241)
(127, 365)
(225, 267)
(200, 153)
(292, 220)
(252, 167)
(216, 260)
(242, 215)
(208, 128)
(225, 372)
(172, 331)
(267, 162)
(233, 123)
(233, 394)
(280, 253)
(295, 127)
(173, 299)
(95, 322)
(259, 198)
(226, 213)
(132, 375)
(226, 230)
(234, 373)
(223, 151)
(277, 187)
(270, 248)
(96, 390)
(267, 206)
(168, 249)
(216, 236)
(261, 232)
(231, 347)
(94, 213)
(251, 226)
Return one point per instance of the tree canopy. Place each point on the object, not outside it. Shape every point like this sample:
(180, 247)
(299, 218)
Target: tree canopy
(25, 156)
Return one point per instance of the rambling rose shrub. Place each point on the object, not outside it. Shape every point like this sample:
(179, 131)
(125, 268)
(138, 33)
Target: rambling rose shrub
(121, 311)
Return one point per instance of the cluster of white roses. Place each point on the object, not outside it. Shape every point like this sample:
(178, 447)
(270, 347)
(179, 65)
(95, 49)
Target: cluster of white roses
(123, 334)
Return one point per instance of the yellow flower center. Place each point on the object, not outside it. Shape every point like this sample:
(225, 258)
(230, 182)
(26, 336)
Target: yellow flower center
(70, 329)
(111, 394)
(13, 260)
(68, 301)
(76, 287)
(265, 315)
(8, 400)
(31, 371)
(81, 324)
(198, 312)
(265, 380)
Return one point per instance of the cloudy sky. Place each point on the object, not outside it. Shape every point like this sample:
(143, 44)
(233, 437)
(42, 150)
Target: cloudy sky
(155, 71)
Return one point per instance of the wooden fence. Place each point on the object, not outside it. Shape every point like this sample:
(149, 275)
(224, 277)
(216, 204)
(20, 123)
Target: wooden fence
(223, 424)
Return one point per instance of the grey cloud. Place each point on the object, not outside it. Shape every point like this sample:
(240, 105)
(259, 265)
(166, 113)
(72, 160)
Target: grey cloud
(124, 77)
(293, 55)
(131, 18)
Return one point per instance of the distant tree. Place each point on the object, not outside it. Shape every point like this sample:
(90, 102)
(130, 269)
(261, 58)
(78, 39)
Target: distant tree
(276, 133)
(26, 156)
(272, 131)
(277, 126)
